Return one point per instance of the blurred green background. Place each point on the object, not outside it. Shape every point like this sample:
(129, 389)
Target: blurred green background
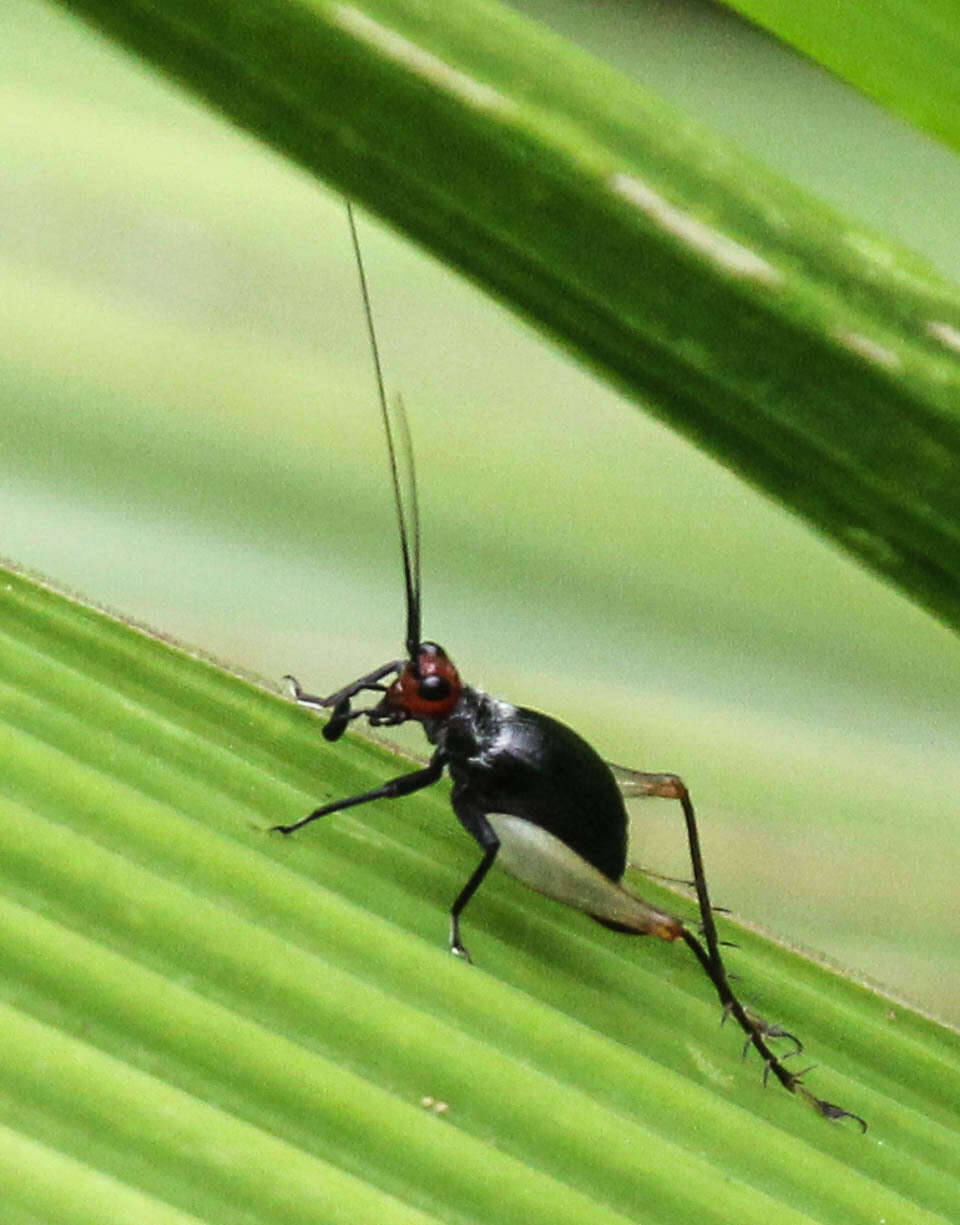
(190, 437)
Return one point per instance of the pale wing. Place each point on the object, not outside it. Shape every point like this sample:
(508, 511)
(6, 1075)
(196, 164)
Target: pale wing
(544, 863)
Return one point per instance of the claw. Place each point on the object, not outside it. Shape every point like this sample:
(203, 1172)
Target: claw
(768, 1031)
(777, 1031)
(825, 1109)
(457, 947)
(829, 1111)
(789, 1055)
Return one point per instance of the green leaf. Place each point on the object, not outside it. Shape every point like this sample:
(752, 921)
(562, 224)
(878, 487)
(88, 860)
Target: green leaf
(202, 1021)
(813, 358)
(913, 63)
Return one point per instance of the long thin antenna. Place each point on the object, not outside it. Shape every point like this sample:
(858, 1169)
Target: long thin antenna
(408, 515)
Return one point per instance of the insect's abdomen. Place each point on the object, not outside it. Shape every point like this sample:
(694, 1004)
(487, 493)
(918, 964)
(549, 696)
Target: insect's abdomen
(543, 771)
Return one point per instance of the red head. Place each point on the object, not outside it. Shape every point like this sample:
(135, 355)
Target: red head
(428, 687)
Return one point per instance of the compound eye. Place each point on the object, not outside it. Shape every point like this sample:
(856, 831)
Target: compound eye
(428, 686)
(433, 688)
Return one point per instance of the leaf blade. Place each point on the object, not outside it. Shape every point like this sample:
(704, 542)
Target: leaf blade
(806, 354)
(152, 920)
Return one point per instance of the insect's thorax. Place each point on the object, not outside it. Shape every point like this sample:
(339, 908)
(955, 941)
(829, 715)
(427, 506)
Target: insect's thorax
(475, 730)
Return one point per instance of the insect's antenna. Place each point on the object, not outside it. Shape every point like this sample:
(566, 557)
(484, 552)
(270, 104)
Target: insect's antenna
(408, 510)
(402, 471)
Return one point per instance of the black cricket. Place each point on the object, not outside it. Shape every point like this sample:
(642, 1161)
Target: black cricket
(538, 800)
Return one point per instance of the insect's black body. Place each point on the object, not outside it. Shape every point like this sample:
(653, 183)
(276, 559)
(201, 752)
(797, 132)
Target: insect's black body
(536, 797)
(509, 759)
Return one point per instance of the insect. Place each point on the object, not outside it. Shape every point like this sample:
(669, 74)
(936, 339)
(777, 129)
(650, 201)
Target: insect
(537, 799)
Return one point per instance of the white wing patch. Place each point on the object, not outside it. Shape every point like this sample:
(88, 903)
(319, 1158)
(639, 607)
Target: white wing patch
(544, 863)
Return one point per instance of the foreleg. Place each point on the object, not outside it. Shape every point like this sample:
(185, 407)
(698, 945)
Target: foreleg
(404, 784)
